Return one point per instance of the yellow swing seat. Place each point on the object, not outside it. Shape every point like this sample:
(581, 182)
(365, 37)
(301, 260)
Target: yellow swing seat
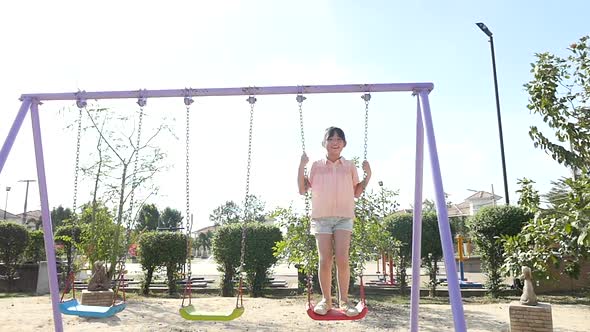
(190, 313)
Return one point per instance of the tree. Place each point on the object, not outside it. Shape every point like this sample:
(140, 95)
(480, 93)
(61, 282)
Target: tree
(557, 236)
(171, 219)
(428, 206)
(227, 213)
(559, 233)
(487, 226)
(99, 239)
(370, 238)
(68, 235)
(529, 198)
(559, 92)
(230, 212)
(254, 209)
(14, 239)
(125, 163)
(297, 246)
(59, 214)
(148, 218)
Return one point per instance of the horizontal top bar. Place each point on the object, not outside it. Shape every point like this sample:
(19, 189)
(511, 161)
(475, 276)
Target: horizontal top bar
(271, 90)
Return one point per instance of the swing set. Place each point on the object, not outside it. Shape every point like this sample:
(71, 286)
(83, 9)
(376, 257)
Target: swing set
(424, 128)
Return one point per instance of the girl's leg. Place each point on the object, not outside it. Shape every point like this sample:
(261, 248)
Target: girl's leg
(341, 248)
(324, 244)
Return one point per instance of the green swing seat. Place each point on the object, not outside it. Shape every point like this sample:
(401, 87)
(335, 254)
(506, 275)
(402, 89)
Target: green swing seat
(190, 313)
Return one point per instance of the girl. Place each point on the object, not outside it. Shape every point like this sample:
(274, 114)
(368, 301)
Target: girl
(334, 184)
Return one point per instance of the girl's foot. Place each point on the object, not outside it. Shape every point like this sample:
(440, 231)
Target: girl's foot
(349, 308)
(322, 307)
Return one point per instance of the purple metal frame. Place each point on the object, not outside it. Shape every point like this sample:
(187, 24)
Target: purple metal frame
(423, 125)
(417, 218)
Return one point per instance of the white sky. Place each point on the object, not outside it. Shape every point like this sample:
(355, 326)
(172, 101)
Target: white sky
(63, 46)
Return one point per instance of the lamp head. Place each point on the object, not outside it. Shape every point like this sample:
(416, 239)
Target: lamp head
(484, 28)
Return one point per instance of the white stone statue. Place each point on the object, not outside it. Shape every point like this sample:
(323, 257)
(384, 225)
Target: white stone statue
(99, 280)
(528, 296)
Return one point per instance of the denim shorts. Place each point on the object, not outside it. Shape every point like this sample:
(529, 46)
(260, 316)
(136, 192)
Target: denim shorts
(327, 225)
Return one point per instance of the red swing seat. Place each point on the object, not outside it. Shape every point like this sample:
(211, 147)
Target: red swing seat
(338, 314)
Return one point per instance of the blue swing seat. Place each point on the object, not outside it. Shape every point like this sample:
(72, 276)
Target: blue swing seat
(72, 307)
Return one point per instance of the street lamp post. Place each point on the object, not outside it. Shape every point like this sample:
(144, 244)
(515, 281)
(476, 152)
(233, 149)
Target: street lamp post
(6, 202)
(487, 31)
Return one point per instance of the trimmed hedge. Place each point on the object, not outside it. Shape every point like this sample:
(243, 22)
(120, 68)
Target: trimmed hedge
(259, 254)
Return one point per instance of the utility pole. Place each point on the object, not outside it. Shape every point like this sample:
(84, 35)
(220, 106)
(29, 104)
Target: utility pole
(26, 199)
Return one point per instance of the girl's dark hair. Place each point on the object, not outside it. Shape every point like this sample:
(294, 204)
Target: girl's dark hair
(331, 132)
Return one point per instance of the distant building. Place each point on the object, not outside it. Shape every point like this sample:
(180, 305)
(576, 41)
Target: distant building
(32, 218)
(205, 230)
(9, 216)
(472, 204)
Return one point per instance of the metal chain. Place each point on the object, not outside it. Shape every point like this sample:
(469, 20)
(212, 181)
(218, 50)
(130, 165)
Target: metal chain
(307, 220)
(252, 101)
(141, 101)
(239, 298)
(366, 97)
(187, 102)
(300, 98)
(81, 105)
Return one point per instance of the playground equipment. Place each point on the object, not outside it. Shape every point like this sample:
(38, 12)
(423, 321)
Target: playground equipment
(424, 128)
(463, 283)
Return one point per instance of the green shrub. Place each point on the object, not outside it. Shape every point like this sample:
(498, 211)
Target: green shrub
(14, 239)
(162, 249)
(174, 255)
(35, 251)
(431, 248)
(226, 250)
(487, 227)
(260, 241)
(259, 254)
(399, 225)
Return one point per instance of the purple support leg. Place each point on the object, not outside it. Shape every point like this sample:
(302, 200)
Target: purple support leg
(417, 222)
(20, 116)
(443, 220)
(47, 228)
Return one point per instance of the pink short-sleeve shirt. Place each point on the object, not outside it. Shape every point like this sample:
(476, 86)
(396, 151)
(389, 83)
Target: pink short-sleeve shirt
(332, 188)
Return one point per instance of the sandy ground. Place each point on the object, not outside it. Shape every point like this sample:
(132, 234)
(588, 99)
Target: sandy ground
(262, 314)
